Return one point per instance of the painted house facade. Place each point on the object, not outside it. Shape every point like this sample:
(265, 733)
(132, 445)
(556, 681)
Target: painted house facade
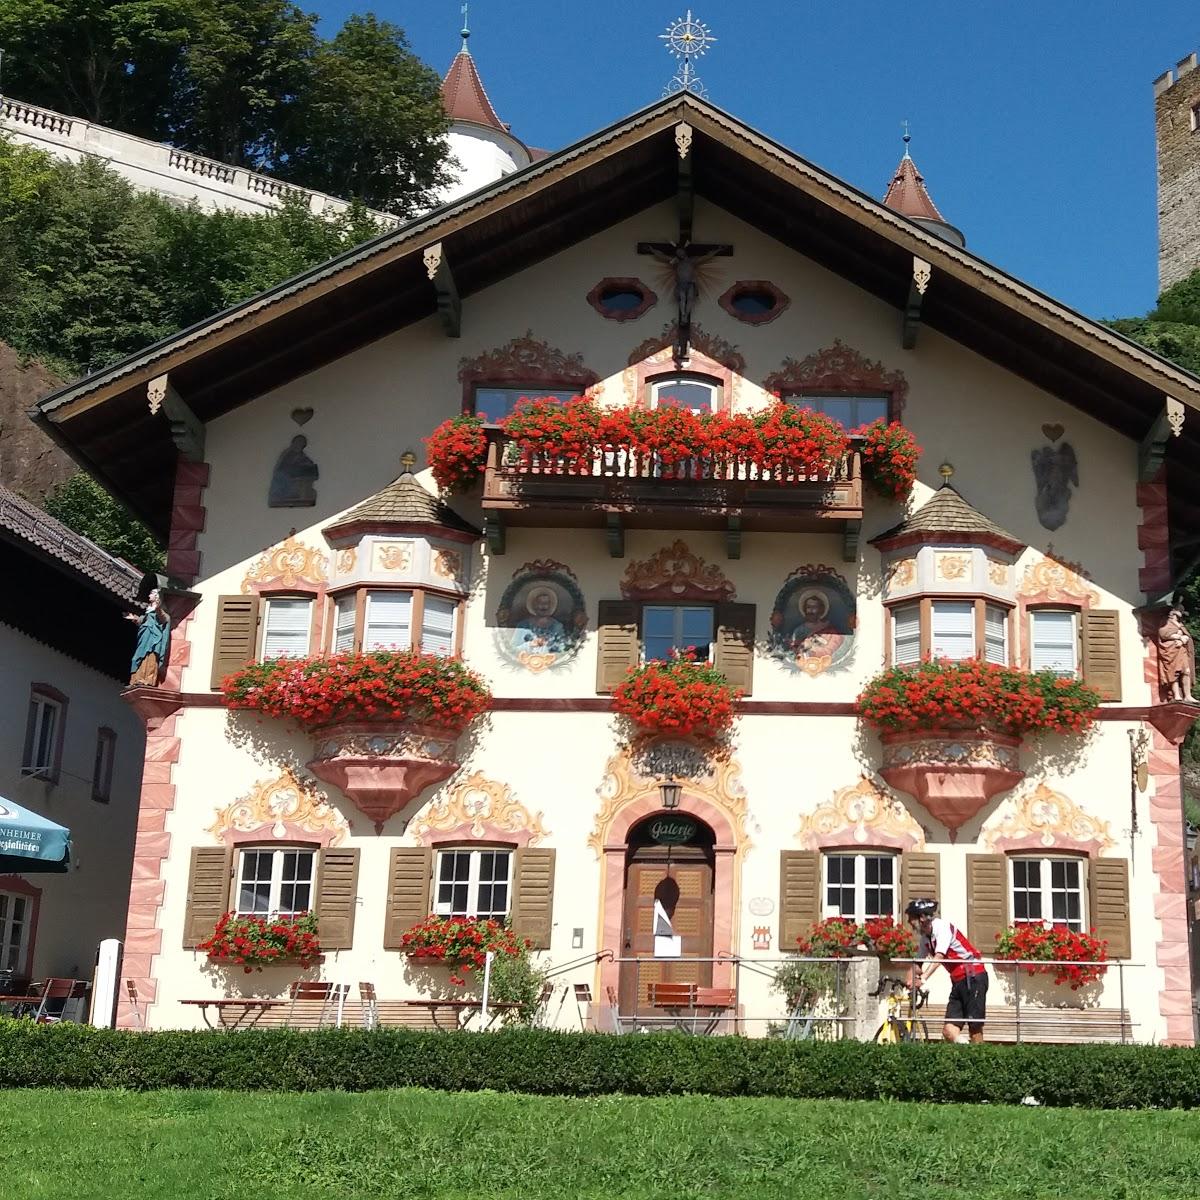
(270, 447)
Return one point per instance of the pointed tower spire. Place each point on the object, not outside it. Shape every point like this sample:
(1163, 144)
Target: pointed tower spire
(462, 89)
(908, 195)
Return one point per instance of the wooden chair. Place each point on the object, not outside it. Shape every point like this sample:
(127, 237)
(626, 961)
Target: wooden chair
(583, 998)
(614, 1007)
(58, 997)
(369, 1004)
(132, 992)
(331, 996)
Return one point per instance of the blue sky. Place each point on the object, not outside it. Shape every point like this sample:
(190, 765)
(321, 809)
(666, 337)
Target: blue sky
(1032, 120)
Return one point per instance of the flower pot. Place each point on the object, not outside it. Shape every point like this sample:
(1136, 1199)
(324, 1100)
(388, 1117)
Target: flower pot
(953, 773)
(382, 764)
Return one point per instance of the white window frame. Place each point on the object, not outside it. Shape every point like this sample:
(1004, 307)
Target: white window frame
(278, 857)
(433, 598)
(715, 389)
(20, 962)
(1046, 889)
(860, 883)
(43, 707)
(342, 605)
(677, 639)
(446, 908)
(908, 660)
(278, 604)
(1005, 658)
(403, 643)
(1073, 613)
(944, 605)
(102, 767)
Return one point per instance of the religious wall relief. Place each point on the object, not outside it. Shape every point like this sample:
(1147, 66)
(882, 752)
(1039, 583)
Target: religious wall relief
(293, 482)
(1055, 472)
(542, 616)
(813, 621)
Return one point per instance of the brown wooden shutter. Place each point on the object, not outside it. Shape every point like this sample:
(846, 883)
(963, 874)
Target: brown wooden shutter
(987, 900)
(409, 871)
(1101, 639)
(236, 641)
(207, 894)
(337, 898)
(733, 651)
(618, 642)
(799, 895)
(533, 896)
(1108, 888)
(920, 877)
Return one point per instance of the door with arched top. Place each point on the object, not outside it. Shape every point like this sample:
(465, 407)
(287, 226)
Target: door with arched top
(669, 860)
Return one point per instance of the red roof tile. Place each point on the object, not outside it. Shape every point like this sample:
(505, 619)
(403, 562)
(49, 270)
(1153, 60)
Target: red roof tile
(463, 94)
(907, 195)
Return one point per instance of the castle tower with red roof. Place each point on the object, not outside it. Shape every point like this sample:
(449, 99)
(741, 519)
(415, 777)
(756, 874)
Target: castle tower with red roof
(908, 195)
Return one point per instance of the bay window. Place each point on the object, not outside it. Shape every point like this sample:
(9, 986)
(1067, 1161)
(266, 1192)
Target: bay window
(388, 622)
(859, 886)
(949, 629)
(952, 629)
(395, 619)
(1048, 891)
(473, 883)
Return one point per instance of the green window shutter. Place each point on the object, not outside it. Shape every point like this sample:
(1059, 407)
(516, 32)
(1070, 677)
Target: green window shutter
(1101, 642)
(920, 877)
(733, 651)
(337, 898)
(617, 642)
(799, 895)
(533, 896)
(236, 641)
(987, 900)
(1108, 893)
(409, 872)
(207, 893)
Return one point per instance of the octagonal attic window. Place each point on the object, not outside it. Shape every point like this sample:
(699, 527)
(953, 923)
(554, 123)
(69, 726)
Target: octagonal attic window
(621, 299)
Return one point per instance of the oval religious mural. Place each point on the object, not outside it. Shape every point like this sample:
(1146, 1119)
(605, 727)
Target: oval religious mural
(542, 616)
(813, 622)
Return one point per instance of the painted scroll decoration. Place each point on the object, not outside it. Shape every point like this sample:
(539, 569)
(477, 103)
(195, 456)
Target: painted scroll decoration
(290, 565)
(839, 368)
(478, 808)
(1053, 578)
(863, 814)
(542, 616)
(1045, 819)
(813, 621)
(280, 809)
(675, 573)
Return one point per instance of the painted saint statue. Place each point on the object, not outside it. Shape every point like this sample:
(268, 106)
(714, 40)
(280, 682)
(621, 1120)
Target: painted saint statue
(1176, 657)
(153, 640)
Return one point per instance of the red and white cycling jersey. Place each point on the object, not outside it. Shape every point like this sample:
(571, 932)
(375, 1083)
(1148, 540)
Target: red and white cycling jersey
(945, 938)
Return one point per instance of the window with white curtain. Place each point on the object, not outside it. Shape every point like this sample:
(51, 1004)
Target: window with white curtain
(345, 611)
(906, 634)
(1054, 641)
(388, 623)
(859, 886)
(995, 634)
(1048, 891)
(437, 625)
(287, 625)
(953, 629)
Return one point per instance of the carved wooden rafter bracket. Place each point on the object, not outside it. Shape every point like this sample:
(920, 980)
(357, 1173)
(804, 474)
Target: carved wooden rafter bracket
(922, 272)
(437, 267)
(187, 430)
(1153, 448)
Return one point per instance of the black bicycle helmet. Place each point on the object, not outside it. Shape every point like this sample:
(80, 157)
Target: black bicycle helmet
(920, 908)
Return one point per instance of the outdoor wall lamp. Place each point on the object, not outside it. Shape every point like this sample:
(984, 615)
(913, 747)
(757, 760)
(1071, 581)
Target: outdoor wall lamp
(669, 791)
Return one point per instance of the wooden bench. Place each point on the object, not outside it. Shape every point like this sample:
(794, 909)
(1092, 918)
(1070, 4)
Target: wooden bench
(1064, 1026)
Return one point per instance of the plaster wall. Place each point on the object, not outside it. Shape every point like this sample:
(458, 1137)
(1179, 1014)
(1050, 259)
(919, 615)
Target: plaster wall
(88, 903)
(482, 156)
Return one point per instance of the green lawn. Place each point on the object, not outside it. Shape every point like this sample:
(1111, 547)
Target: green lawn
(197, 1145)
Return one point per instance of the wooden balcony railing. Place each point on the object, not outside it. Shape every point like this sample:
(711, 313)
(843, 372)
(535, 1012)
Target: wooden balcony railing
(620, 488)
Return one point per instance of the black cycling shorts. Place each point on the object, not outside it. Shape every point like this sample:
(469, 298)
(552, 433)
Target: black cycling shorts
(968, 1002)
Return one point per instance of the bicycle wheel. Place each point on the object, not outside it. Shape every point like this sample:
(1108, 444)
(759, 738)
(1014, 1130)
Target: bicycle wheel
(887, 1033)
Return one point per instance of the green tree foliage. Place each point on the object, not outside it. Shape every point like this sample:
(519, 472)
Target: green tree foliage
(249, 82)
(91, 270)
(84, 506)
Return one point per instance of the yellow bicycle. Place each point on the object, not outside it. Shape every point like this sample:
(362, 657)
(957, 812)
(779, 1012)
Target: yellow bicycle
(900, 1025)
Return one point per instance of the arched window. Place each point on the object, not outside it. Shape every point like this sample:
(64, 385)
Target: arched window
(698, 393)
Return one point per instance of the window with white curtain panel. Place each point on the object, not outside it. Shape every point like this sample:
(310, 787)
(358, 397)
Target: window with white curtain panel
(906, 634)
(388, 621)
(287, 626)
(995, 634)
(345, 611)
(953, 629)
(1054, 640)
(437, 625)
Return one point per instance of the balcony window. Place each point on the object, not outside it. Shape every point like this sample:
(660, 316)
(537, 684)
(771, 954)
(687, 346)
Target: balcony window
(276, 881)
(493, 404)
(473, 883)
(1048, 891)
(287, 627)
(848, 411)
(686, 391)
(667, 628)
(1054, 641)
(859, 886)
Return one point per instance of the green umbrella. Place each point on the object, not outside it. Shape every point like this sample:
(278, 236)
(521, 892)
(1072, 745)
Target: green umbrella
(29, 842)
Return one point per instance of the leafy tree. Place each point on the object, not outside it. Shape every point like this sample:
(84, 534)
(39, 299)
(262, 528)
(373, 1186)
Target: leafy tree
(84, 506)
(370, 124)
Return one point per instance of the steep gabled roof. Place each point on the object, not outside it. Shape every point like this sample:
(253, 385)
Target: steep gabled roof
(463, 95)
(907, 193)
(946, 515)
(404, 502)
(532, 214)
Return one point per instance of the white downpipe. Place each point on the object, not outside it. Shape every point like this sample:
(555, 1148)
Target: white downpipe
(487, 983)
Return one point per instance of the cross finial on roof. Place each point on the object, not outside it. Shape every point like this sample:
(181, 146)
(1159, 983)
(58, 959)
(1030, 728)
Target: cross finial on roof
(408, 460)
(946, 471)
(465, 32)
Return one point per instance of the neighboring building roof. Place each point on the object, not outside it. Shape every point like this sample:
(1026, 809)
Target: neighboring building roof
(947, 514)
(463, 94)
(907, 193)
(403, 502)
(493, 233)
(25, 522)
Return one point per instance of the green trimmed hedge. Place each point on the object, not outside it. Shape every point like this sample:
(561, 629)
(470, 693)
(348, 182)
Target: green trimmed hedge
(585, 1064)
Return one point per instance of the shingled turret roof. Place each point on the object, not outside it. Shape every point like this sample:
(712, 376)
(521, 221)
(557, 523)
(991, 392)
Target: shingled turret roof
(908, 195)
(947, 517)
(404, 502)
(463, 95)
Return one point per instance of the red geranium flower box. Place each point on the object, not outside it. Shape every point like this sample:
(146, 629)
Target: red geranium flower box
(677, 696)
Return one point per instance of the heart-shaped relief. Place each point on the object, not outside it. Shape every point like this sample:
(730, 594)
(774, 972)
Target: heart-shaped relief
(302, 416)
(1053, 432)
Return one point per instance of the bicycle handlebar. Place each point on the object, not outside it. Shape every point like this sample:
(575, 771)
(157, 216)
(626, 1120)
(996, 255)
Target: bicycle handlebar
(918, 996)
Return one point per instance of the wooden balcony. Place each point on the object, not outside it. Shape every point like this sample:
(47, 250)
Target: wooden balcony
(619, 489)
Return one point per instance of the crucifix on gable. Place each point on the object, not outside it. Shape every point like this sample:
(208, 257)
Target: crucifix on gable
(684, 257)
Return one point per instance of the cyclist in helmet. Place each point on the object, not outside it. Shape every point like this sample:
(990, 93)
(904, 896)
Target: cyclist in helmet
(943, 943)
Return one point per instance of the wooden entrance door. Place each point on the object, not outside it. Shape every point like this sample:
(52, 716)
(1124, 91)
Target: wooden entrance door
(684, 886)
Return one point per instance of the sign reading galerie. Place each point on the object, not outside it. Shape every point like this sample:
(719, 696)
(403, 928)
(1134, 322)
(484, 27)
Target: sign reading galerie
(673, 831)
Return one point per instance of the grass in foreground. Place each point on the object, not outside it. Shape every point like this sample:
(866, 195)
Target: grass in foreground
(433, 1145)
